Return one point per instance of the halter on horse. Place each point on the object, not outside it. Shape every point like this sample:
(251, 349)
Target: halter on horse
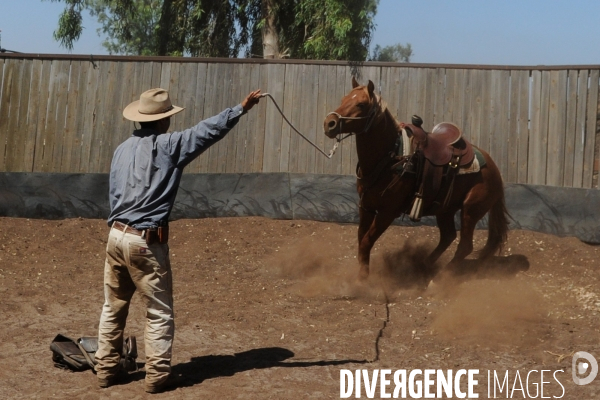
(385, 195)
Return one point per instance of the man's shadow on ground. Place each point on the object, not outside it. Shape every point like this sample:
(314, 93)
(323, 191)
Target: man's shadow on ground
(199, 369)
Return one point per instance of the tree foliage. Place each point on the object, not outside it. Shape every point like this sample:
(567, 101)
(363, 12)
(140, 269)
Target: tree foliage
(310, 29)
(393, 53)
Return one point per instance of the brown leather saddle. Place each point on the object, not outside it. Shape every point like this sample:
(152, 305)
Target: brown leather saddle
(442, 151)
(444, 145)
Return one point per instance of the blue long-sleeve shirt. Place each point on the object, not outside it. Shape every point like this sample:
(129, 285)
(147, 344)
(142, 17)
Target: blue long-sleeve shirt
(146, 169)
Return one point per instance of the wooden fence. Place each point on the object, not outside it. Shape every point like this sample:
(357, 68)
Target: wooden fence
(63, 113)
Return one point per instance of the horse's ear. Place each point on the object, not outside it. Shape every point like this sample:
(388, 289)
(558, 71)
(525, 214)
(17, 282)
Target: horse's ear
(354, 82)
(371, 86)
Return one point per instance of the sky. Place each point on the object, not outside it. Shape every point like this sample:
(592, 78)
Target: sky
(486, 32)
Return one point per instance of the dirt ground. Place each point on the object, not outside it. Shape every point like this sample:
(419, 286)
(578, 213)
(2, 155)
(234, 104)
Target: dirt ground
(270, 309)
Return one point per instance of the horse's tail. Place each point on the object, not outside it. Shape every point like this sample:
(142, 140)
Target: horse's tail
(497, 227)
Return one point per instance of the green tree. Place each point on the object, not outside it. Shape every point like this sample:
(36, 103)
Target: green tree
(314, 29)
(138, 36)
(393, 53)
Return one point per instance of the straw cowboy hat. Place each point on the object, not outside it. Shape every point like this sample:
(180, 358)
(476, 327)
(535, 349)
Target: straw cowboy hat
(154, 104)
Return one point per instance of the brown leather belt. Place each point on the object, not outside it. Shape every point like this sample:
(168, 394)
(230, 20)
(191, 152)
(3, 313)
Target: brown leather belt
(126, 228)
(156, 235)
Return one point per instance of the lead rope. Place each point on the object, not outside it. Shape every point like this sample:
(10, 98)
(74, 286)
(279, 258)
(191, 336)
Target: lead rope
(335, 146)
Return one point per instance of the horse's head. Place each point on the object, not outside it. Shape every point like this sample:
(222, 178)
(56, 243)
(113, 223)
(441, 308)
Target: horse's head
(355, 114)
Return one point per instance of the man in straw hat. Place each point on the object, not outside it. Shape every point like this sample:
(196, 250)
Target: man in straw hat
(144, 177)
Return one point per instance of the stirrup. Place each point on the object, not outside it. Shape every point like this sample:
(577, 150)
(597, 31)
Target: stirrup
(417, 208)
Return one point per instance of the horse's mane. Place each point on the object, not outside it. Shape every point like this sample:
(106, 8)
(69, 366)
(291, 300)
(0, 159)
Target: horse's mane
(383, 109)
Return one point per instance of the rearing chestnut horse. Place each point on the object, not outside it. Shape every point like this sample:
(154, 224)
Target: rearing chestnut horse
(385, 196)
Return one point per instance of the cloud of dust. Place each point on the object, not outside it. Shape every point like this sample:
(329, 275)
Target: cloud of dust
(323, 266)
(319, 266)
(491, 312)
(404, 268)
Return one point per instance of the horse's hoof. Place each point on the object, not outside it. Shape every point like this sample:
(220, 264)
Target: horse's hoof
(432, 286)
(363, 276)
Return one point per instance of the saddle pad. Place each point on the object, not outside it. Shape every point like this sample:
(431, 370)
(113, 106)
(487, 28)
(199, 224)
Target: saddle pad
(475, 166)
(479, 156)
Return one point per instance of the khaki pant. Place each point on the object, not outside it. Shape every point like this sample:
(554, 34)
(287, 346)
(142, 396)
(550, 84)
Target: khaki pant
(133, 265)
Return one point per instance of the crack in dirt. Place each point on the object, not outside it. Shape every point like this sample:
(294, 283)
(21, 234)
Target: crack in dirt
(380, 334)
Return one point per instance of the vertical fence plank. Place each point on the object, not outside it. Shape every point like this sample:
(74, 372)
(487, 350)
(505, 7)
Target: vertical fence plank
(225, 100)
(272, 145)
(449, 91)
(512, 156)
(234, 98)
(195, 112)
(308, 127)
(580, 126)
(484, 124)
(89, 120)
(32, 116)
(112, 115)
(429, 85)
(260, 123)
(215, 152)
(420, 92)
(302, 115)
(298, 150)
(332, 103)
(403, 114)
(388, 81)
(55, 124)
(251, 79)
(468, 95)
(590, 129)
(130, 89)
(292, 108)
(209, 109)
(187, 98)
(322, 141)
(535, 136)
(519, 128)
(101, 101)
(556, 128)
(455, 95)
(570, 127)
(539, 128)
(412, 87)
(499, 119)
(344, 76)
(311, 125)
(18, 104)
(2, 104)
(75, 118)
(544, 126)
(70, 140)
(10, 78)
(472, 128)
(244, 81)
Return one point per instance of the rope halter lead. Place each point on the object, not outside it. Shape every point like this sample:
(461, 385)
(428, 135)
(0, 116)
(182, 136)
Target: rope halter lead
(297, 131)
(370, 116)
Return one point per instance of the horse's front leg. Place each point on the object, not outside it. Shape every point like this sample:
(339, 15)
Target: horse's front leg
(371, 227)
(366, 219)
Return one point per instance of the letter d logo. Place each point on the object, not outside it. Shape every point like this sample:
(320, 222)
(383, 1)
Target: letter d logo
(583, 367)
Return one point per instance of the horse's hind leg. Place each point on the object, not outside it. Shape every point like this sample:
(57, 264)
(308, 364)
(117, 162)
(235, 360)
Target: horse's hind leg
(469, 218)
(445, 223)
